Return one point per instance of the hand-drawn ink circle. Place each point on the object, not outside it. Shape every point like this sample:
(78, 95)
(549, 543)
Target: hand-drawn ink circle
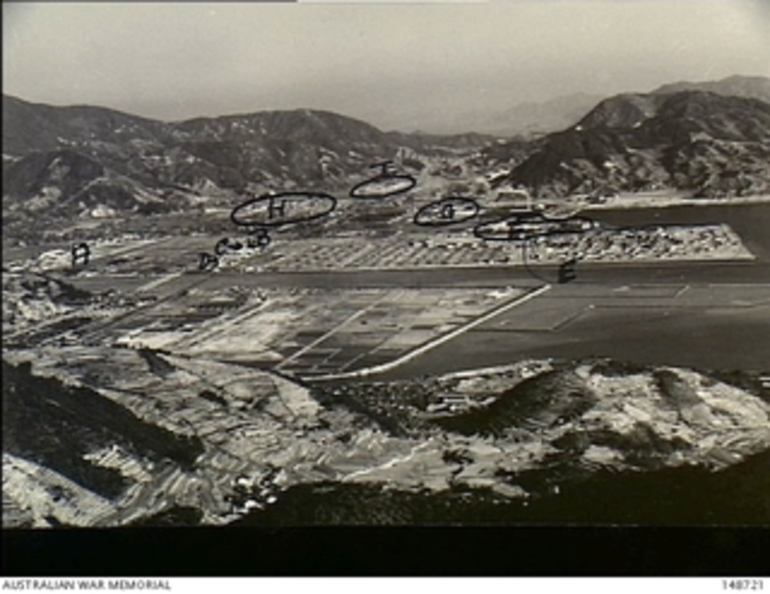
(435, 213)
(407, 182)
(277, 204)
(526, 226)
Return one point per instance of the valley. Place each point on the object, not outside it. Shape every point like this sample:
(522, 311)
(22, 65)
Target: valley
(594, 321)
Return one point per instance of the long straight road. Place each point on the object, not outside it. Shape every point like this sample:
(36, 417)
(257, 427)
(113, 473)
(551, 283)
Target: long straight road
(744, 272)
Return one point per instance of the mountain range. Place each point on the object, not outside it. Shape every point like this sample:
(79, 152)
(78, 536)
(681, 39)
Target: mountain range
(69, 160)
(530, 118)
(754, 87)
(711, 139)
(705, 143)
(537, 118)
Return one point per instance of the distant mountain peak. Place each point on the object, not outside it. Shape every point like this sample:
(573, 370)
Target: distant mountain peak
(106, 158)
(695, 140)
(754, 87)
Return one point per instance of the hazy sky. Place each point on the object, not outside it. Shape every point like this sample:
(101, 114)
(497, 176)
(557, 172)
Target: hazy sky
(394, 65)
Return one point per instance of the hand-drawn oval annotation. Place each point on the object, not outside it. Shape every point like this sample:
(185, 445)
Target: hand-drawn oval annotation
(385, 184)
(447, 211)
(287, 208)
(530, 225)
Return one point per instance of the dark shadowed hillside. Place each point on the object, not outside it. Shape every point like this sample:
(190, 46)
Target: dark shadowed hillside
(708, 144)
(543, 401)
(69, 162)
(55, 425)
(38, 127)
(739, 495)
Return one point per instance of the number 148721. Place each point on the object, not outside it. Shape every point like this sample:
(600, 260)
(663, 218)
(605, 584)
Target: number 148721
(743, 585)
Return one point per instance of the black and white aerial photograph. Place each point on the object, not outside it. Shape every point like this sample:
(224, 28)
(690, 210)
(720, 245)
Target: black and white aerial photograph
(394, 264)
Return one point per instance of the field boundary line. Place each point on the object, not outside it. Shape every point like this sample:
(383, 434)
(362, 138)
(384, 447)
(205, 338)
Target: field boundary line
(159, 281)
(416, 352)
(345, 322)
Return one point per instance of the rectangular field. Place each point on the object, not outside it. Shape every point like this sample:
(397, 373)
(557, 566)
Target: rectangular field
(307, 331)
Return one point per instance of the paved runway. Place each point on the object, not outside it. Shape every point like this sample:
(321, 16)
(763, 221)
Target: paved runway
(500, 276)
(722, 327)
